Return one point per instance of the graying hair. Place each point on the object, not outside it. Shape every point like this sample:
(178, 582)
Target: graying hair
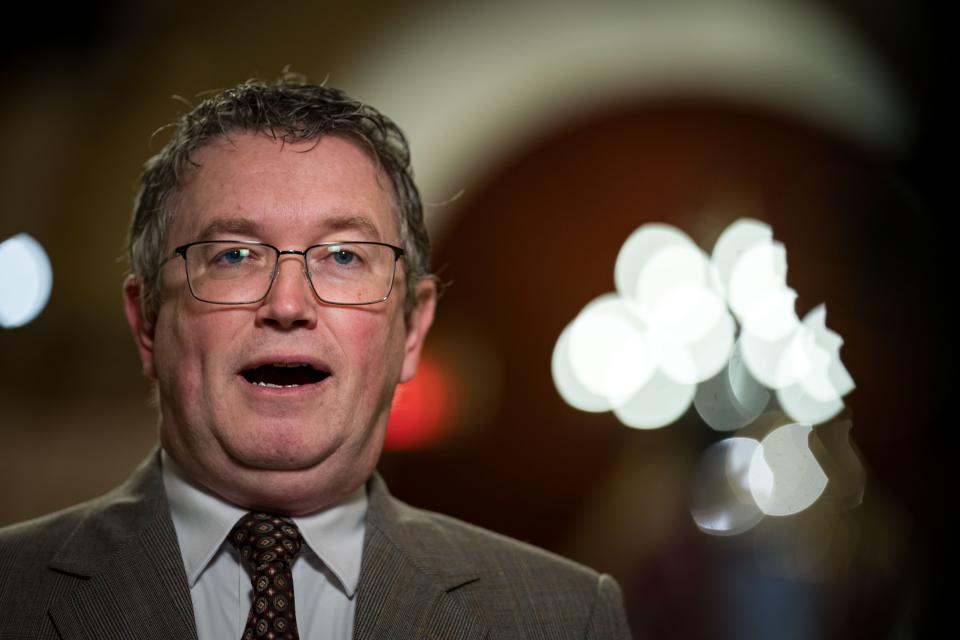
(289, 110)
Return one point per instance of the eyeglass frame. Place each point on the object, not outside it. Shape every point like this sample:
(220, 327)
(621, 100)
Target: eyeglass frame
(181, 251)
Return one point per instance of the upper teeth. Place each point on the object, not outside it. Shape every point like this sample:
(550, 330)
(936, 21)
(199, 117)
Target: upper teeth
(291, 365)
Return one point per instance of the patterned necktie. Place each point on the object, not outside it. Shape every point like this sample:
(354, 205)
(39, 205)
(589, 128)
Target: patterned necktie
(268, 545)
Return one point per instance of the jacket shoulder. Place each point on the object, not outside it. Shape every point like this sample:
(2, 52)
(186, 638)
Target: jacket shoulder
(43, 559)
(27, 586)
(518, 589)
(492, 553)
(34, 542)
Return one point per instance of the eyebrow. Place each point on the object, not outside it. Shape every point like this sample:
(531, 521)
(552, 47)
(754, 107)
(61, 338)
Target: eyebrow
(353, 223)
(242, 226)
(250, 227)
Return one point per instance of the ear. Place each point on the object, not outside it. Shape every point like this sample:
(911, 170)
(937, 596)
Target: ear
(141, 329)
(418, 324)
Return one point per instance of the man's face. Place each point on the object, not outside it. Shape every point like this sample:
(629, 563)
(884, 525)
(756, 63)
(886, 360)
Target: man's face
(292, 449)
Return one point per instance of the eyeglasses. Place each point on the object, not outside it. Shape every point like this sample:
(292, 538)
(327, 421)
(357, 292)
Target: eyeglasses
(242, 272)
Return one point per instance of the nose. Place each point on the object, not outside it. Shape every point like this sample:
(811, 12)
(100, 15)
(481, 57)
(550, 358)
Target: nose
(291, 302)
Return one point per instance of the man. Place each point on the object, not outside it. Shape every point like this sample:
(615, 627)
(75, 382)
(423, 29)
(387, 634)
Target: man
(280, 290)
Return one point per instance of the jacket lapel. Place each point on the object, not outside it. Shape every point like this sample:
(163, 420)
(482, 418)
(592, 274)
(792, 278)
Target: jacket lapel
(123, 576)
(123, 568)
(409, 577)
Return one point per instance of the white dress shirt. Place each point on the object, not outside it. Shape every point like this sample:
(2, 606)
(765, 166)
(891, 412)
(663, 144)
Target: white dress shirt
(325, 573)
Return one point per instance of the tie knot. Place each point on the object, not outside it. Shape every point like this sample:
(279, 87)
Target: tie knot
(263, 538)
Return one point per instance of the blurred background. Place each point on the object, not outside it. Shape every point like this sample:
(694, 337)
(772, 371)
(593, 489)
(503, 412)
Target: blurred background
(543, 134)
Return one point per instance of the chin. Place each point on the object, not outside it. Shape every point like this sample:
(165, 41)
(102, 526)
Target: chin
(282, 461)
(295, 492)
(286, 451)
(298, 477)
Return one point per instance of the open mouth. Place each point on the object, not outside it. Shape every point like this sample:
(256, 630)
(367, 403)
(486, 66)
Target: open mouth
(284, 376)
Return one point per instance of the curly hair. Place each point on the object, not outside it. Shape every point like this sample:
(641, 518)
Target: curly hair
(290, 110)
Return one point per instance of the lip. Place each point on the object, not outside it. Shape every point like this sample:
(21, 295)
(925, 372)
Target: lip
(283, 391)
(260, 361)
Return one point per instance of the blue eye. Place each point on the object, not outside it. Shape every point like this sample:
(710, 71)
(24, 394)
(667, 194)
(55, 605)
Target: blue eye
(344, 257)
(235, 256)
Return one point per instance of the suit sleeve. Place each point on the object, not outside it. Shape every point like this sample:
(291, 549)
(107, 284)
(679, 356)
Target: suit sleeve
(608, 620)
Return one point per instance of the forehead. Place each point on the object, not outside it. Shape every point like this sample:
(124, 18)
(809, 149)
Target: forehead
(285, 193)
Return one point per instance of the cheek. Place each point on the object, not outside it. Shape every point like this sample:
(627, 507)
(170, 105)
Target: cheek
(184, 349)
(375, 344)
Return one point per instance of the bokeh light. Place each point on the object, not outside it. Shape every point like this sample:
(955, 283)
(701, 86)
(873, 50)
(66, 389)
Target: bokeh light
(608, 348)
(811, 362)
(658, 403)
(785, 477)
(775, 467)
(733, 242)
(666, 337)
(26, 280)
(721, 501)
(733, 398)
(642, 351)
(573, 392)
(759, 274)
(639, 249)
(832, 445)
(422, 410)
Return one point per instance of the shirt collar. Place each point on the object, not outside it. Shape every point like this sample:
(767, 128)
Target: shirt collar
(202, 521)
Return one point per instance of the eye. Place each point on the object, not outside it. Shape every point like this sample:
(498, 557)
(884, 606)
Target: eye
(232, 256)
(344, 257)
(340, 260)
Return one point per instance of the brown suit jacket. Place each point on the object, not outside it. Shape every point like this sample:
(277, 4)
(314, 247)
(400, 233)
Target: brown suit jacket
(110, 569)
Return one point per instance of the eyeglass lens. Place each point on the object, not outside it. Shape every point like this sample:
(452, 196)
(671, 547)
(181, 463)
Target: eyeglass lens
(342, 273)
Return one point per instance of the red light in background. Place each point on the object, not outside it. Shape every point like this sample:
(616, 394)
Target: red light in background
(422, 409)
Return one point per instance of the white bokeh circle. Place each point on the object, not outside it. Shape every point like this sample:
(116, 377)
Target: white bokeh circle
(785, 477)
(26, 280)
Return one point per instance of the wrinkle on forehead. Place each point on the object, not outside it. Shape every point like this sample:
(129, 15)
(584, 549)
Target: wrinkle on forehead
(244, 226)
(349, 158)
